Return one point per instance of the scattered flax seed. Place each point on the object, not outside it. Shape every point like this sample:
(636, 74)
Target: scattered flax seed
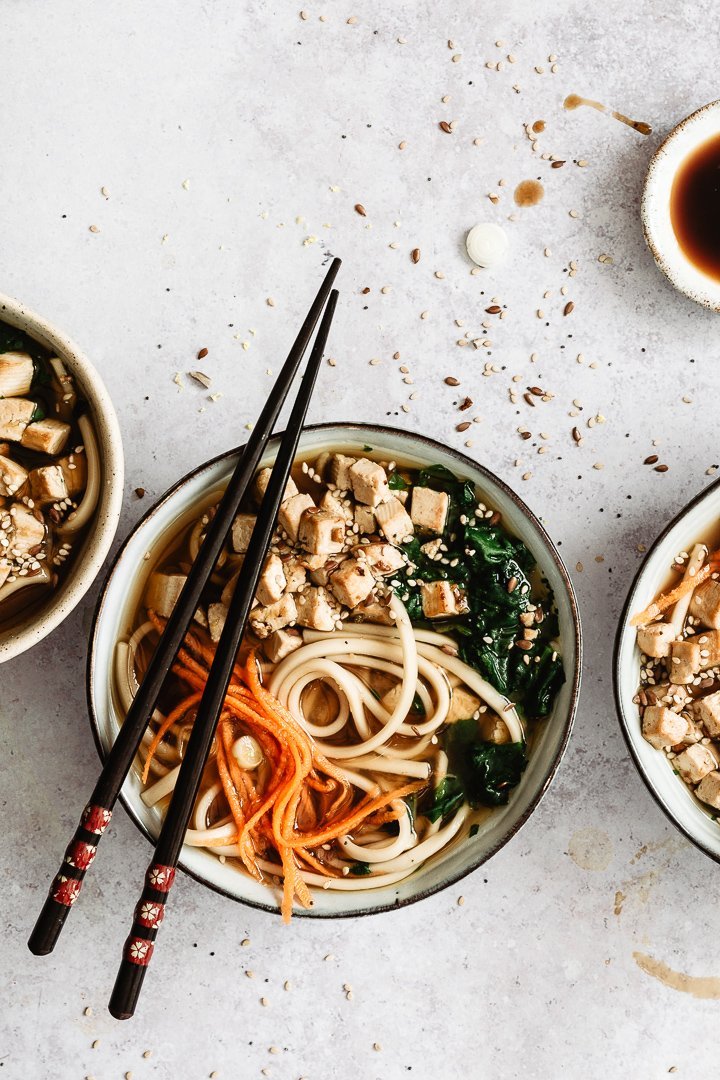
(650, 460)
(466, 404)
(360, 209)
(661, 468)
(494, 309)
(452, 381)
(444, 126)
(577, 436)
(464, 426)
(557, 164)
(569, 308)
(140, 492)
(415, 255)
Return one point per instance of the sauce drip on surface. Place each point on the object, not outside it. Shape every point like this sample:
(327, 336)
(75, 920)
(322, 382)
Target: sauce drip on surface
(538, 126)
(574, 101)
(529, 193)
(695, 207)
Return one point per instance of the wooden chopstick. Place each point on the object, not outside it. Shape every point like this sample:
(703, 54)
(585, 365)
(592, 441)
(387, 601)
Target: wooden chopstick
(80, 853)
(150, 908)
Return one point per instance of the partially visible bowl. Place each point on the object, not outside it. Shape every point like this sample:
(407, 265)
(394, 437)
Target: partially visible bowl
(689, 134)
(695, 523)
(45, 618)
(120, 595)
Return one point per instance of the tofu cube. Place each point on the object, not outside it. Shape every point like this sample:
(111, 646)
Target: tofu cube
(709, 642)
(48, 436)
(333, 505)
(394, 521)
(684, 661)
(351, 583)
(47, 485)
(707, 710)
(442, 600)
(705, 603)
(242, 528)
(280, 644)
(432, 548)
(321, 532)
(272, 581)
(26, 531)
(383, 559)
(74, 467)
(663, 727)
(12, 476)
(217, 614)
(375, 609)
(429, 509)
(295, 572)
(16, 374)
(15, 416)
(265, 620)
(493, 729)
(364, 518)
(462, 705)
(261, 485)
(695, 763)
(369, 482)
(708, 790)
(321, 576)
(655, 639)
(4, 572)
(291, 511)
(338, 468)
(314, 609)
(163, 591)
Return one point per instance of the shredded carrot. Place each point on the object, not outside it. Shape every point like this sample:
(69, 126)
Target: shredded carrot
(662, 603)
(177, 714)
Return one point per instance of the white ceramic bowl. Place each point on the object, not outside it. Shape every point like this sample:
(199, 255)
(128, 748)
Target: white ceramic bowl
(696, 522)
(655, 206)
(120, 593)
(97, 542)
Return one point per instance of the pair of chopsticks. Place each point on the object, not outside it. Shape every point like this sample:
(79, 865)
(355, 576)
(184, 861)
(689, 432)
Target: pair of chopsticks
(81, 851)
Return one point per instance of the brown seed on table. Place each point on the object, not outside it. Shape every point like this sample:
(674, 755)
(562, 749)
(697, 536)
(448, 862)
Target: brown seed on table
(569, 308)
(444, 126)
(365, 291)
(415, 255)
(650, 460)
(466, 404)
(557, 164)
(140, 492)
(464, 426)
(661, 468)
(452, 381)
(526, 434)
(529, 399)
(536, 391)
(202, 354)
(576, 435)
(360, 209)
(494, 309)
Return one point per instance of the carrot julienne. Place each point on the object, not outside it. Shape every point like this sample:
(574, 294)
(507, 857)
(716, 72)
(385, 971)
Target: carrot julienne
(666, 600)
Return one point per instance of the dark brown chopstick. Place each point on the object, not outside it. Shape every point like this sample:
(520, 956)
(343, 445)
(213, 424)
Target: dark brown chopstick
(150, 909)
(80, 853)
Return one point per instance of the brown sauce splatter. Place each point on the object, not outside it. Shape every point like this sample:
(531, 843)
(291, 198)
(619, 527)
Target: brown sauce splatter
(529, 193)
(574, 101)
(538, 126)
(705, 987)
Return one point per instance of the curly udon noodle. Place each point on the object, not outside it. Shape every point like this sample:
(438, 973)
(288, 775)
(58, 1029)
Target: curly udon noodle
(422, 663)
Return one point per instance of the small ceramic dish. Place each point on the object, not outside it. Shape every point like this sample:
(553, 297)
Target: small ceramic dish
(655, 206)
(43, 619)
(697, 522)
(121, 593)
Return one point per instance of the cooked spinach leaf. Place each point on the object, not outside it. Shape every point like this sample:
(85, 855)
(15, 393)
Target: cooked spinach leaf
(486, 772)
(360, 869)
(396, 482)
(446, 798)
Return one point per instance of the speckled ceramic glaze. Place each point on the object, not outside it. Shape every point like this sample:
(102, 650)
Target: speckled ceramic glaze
(696, 522)
(120, 595)
(100, 535)
(655, 207)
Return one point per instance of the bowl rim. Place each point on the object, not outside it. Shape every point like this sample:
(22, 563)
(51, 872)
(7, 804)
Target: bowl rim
(568, 721)
(620, 704)
(706, 297)
(107, 514)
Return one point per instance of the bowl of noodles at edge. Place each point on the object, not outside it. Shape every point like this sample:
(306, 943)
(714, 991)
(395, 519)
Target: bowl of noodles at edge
(404, 694)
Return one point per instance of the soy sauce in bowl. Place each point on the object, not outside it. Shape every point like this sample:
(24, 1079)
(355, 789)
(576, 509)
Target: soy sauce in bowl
(695, 207)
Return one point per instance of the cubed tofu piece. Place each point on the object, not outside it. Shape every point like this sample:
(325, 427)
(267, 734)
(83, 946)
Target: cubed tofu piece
(26, 531)
(15, 416)
(442, 600)
(280, 644)
(338, 469)
(369, 482)
(684, 661)
(272, 581)
(263, 479)
(663, 727)
(364, 518)
(432, 548)
(493, 729)
(707, 710)
(163, 591)
(383, 559)
(12, 476)
(48, 436)
(429, 509)
(291, 512)
(4, 572)
(242, 528)
(321, 532)
(321, 576)
(705, 603)
(462, 705)
(656, 639)
(708, 790)
(265, 620)
(394, 521)
(695, 763)
(74, 467)
(16, 374)
(47, 485)
(375, 609)
(333, 505)
(295, 572)
(352, 583)
(315, 610)
(217, 614)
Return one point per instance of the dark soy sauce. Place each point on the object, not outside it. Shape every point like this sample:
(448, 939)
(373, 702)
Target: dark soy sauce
(695, 207)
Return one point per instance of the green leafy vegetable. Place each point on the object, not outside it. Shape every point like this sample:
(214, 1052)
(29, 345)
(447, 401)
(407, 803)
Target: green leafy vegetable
(485, 772)
(474, 830)
(446, 798)
(38, 413)
(360, 869)
(367, 449)
(396, 482)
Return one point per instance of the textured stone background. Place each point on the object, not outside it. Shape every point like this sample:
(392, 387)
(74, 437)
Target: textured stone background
(280, 126)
